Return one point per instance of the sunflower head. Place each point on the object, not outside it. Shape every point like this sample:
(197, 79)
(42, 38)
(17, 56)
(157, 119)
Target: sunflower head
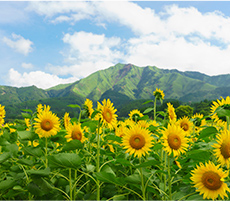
(174, 140)
(159, 94)
(135, 114)
(75, 132)
(88, 106)
(185, 124)
(107, 113)
(137, 141)
(171, 112)
(222, 148)
(46, 124)
(209, 181)
(217, 106)
(66, 120)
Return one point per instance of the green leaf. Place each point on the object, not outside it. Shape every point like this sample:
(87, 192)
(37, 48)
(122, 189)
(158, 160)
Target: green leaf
(148, 110)
(207, 132)
(26, 135)
(7, 184)
(40, 172)
(74, 106)
(25, 162)
(148, 163)
(64, 160)
(33, 151)
(199, 155)
(26, 115)
(149, 101)
(195, 197)
(123, 162)
(3, 141)
(72, 145)
(108, 178)
(108, 169)
(13, 148)
(157, 147)
(133, 179)
(4, 156)
(113, 138)
(27, 110)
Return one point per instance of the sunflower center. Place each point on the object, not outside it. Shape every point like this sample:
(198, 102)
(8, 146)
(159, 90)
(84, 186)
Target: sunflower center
(76, 135)
(197, 122)
(184, 126)
(135, 117)
(211, 180)
(137, 141)
(174, 141)
(47, 124)
(107, 115)
(225, 150)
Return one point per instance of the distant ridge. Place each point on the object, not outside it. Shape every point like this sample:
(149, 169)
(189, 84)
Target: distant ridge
(128, 82)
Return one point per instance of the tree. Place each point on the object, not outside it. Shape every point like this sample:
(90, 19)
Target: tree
(184, 110)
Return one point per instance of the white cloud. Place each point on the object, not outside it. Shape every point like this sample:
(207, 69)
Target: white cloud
(88, 53)
(19, 44)
(27, 65)
(177, 53)
(177, 37)
(37, 78)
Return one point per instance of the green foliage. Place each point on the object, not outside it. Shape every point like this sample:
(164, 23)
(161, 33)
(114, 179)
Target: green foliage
(184, 110)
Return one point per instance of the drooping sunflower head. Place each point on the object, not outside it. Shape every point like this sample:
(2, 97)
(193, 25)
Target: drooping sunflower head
(107, 113)
(66, 120)
(185, 124)
(219, 104)
(171, 112)
(46, 124)
(75, 132)
(88, 105)
(199, 121)
(137, 141)
(174, 140)
(208, 179)
(135, 114)
(159, 94)
(222, 148)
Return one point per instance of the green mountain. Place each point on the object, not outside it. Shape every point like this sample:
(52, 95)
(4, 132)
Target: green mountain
(122, 83)
(130, 82)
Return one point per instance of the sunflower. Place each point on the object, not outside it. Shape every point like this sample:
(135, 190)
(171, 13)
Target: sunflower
(66, 120)
(2, 115)
(199, 121)
(121, 129)
(107, 113)
(143, 123)
(171, 112)
(28, 125)
(75, 132)
(159, 94)
(223, 103)
(39, 108)
(174, 140)
(135, 114)
(209, 181)
(222, 148)
(88, 105)
(47, 124)
(185, 124)
(137, 141)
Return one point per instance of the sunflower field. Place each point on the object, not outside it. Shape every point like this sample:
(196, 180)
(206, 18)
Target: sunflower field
(98, 157)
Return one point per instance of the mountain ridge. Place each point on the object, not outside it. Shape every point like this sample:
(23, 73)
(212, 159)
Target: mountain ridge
(128, 82)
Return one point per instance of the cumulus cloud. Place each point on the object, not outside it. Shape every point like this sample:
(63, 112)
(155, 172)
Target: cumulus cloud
(88, 53)
(19, 44)
(38, 78)
(177, 37)
(27, 65)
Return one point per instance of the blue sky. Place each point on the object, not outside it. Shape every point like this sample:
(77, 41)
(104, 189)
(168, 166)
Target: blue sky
(46, 43)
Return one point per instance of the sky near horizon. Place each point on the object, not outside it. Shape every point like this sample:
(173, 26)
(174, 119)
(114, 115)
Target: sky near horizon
(46, 43)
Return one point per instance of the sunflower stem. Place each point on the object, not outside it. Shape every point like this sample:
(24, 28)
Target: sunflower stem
(155, 108)
(70, 185)
(142, 183)
(46, 151)
(169, 179)
(228, 121)
(98, 159)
